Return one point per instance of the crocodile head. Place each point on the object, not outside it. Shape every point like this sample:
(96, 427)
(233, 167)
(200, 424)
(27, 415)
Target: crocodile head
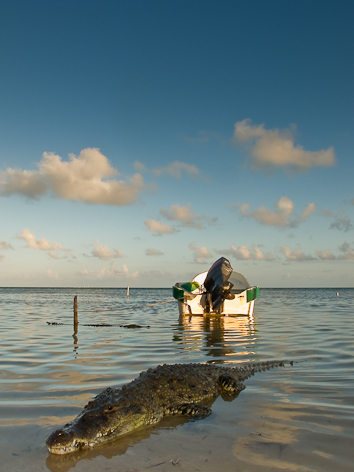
(96, 424)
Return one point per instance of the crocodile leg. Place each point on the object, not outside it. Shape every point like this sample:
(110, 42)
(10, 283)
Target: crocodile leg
(195, 410)
(230, 384)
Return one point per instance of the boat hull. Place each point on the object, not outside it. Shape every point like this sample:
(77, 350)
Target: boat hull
(194, 304)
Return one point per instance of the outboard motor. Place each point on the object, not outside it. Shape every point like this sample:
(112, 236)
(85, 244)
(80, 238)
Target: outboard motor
(216, 282)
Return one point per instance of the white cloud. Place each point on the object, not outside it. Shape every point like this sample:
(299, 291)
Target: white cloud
(326, 213)
(241, 253)
(341, 222)
(283, 215)
(200, 253)
(280, 217)
(325, 255)
(244, 253)
(22, 182)
(42, 244)
(87, 178)
(153, 252)
(296, 255)
(260, 256)
(139, 166)
(309, 210)
(277, 148)
(56, 256)
(347, 253)
(158, 228)
(5, 245)
(176, 168)
(111, 272)
(103, 252)
(184, 215)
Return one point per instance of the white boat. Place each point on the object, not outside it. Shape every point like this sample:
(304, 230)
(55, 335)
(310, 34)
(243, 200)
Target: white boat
(219, 291)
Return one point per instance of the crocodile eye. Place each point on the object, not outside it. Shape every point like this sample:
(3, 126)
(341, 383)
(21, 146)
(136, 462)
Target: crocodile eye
(109, 407)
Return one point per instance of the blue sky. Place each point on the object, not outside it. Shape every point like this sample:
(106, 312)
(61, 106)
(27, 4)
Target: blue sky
(142, 140)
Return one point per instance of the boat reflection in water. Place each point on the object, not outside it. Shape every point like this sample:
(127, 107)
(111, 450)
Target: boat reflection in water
(229, 338)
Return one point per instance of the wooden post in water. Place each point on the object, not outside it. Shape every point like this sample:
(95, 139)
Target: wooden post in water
(76, 321)
(128, 292)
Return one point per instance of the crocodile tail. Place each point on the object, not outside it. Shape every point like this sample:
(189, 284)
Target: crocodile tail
(247, 370)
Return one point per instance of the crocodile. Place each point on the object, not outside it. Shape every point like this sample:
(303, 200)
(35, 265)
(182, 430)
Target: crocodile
(177, 389)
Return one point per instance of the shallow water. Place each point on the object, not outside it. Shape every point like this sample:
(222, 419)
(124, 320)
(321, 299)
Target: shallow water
(297, 418)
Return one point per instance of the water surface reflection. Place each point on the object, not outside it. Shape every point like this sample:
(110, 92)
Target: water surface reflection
(220, 337)
(298, 418)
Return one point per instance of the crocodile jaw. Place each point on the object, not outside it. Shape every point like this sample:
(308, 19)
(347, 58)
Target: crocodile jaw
(83, 433)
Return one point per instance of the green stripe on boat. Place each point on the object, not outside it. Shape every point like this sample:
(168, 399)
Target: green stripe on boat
(190, 286)
(178, 290)
(252, 293)
(177, 293)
